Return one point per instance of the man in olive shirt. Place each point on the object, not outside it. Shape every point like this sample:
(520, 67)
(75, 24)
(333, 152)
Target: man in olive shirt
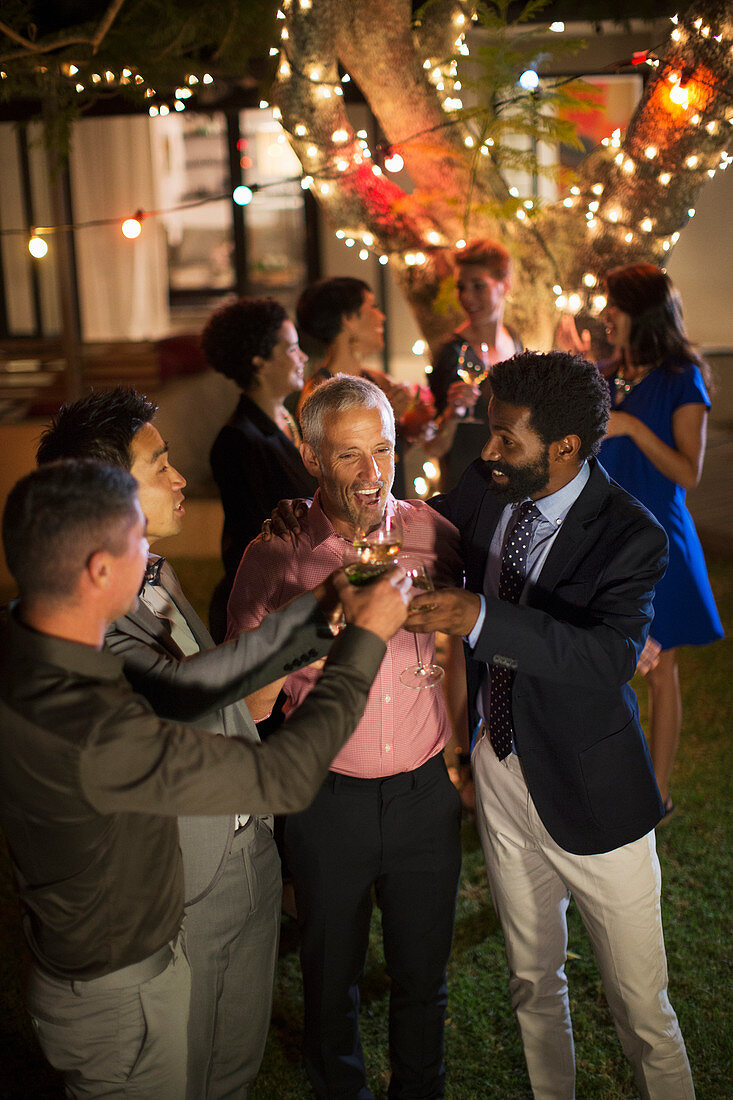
(91, 779)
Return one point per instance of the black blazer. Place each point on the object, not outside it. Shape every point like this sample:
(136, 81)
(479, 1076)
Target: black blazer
(574, 647)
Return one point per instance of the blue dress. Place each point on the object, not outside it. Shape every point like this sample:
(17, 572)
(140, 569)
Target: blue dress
(684, 607)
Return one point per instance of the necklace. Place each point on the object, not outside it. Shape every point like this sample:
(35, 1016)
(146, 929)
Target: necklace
(291, 426)
(626, 385)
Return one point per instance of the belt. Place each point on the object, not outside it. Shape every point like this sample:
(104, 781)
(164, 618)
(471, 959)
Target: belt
(402, 780)
(134, 974)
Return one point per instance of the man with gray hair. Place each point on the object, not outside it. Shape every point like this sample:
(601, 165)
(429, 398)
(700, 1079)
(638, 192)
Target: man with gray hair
(387, 816)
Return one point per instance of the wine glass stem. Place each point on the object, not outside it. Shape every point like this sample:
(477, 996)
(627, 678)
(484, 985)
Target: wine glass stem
(420, 665)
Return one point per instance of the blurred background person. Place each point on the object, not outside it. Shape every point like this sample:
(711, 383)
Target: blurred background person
(460, 377)
(255, 458)
(341, 318)
(654, 448)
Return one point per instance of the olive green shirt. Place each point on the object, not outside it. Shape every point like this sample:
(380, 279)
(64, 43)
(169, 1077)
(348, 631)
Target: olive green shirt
(91, 782)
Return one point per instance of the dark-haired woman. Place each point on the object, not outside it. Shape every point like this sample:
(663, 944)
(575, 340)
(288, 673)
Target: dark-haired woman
(255, 458)
(655, 448)
(340, 315)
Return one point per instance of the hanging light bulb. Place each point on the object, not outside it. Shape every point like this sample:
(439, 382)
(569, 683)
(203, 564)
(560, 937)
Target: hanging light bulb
(37, 247)
(131, 228)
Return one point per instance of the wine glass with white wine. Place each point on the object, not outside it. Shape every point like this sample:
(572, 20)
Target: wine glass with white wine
(473, 373)
(422, 674)
(376, 550)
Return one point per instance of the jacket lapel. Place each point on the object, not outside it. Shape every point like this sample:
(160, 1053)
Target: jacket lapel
(573, 536)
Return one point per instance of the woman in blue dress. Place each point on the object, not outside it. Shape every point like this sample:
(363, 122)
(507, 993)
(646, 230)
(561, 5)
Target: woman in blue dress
(655, 448)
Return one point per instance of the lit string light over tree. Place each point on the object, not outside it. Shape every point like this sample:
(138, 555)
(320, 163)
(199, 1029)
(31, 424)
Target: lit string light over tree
(630, 200)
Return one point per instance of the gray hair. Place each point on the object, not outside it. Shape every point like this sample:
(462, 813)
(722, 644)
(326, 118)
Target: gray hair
(336, 395)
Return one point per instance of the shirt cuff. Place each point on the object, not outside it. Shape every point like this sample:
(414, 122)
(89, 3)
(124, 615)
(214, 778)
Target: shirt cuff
(473, 637)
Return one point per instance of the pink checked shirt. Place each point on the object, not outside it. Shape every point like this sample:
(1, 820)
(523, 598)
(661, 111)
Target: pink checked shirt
(401, 727)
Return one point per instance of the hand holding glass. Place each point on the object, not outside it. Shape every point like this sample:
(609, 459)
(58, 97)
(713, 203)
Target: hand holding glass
(473, 374)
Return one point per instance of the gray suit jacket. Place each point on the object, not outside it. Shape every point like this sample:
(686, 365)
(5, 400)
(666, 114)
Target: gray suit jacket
(206, 690)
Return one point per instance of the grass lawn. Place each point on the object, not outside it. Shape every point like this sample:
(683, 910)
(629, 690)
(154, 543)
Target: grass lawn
(483, 1054)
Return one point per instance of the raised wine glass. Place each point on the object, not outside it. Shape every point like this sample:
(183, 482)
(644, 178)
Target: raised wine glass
(420, 675)
(376, 550)
(473, 373)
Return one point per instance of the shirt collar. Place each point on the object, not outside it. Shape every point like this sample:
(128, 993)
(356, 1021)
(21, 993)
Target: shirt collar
(85, 660)
(320, 527)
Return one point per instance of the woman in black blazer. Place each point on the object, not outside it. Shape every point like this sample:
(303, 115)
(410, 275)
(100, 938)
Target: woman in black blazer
(255, 458)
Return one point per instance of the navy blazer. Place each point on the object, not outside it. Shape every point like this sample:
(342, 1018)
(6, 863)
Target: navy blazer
(573, 646)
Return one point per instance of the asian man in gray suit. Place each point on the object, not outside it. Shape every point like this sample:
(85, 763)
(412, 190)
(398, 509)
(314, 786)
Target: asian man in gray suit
(231, 865)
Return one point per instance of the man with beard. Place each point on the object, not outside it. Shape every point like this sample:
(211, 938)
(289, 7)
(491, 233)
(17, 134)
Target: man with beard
(387, 817)
(560, 570)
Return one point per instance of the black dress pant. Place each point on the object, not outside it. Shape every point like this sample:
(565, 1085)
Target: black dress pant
(400, 835)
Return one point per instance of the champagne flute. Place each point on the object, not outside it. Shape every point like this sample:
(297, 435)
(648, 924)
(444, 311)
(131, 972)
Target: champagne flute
(421, 675)
(376, 549)
(470, 372)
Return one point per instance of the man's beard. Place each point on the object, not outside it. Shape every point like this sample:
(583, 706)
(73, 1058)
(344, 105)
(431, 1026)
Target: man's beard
(522, 481)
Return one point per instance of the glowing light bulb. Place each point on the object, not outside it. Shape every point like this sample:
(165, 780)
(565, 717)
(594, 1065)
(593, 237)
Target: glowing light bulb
(242, 195)
(599, 302)
(628, 237)
(430, 470)
(131, 228)
(529, 80)
(692, 162)
(589, 279)
(557, 289)
(364, 254)
(561, 301)
(433, 237)
(368, 239)
(37, 247)
(680, 95)
(597, 188)
(460, 244)
(300, 130)
(574, 302)
(383, 260)
(339, 136)
(394, 163)
(557, 27)
(421, 486)
(419, 348)
(646, 225)
(651, 151)
(665, 178)
(468, 142)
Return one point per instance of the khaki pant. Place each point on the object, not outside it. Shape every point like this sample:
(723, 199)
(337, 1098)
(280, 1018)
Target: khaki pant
(127, 1041)
(618, 896)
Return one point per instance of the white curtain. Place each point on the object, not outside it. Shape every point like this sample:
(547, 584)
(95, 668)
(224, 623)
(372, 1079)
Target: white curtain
(123, 284)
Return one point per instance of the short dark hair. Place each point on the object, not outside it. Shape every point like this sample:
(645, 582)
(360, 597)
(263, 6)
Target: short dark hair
(483, 252)
(566, 395)
(100, 426)
(56, 517)
(238, 332)
(322, 306)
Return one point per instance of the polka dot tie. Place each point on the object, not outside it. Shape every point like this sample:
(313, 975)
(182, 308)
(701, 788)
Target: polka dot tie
(511, 582)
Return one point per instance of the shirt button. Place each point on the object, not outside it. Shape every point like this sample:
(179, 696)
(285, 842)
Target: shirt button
(388, 748)
(388, 698)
